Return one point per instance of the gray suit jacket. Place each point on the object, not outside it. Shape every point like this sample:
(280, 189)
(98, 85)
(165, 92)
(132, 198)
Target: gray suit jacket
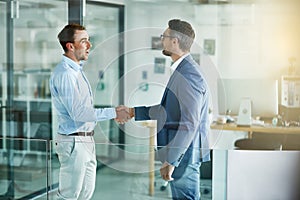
(182, 118)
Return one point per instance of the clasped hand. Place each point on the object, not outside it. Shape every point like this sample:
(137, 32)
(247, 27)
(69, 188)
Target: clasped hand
(123, 114)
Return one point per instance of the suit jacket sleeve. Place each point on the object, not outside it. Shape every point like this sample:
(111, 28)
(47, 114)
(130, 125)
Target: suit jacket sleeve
(141, 113)
(156, 112)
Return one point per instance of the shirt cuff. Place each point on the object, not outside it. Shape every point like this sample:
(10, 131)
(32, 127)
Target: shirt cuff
(106, 114)
(112, 112)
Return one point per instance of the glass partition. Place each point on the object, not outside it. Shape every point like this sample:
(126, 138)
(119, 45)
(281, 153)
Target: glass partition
(34, 51)
(30, 50)
(229, 175)
(105, 66)
(136, 176)
(23, 173)
(36, 54)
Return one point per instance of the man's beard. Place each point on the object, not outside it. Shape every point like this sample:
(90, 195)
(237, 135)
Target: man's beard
(166, 53)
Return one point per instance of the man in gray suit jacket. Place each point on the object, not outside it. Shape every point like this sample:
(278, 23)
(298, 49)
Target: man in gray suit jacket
(182, 115)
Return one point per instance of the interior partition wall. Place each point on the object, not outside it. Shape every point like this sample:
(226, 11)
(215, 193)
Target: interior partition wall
(105, 69)
(30, 52)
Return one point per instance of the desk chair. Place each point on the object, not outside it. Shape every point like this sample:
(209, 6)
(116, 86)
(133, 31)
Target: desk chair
(258, 144)
(268, 141)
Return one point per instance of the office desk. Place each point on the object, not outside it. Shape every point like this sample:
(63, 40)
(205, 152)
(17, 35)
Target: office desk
(248, 165)
(267, 128)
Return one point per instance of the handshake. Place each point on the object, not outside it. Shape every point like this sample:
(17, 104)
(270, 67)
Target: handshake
(124, 114)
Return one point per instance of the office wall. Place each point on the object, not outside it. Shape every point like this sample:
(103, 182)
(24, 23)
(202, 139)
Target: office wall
(145, 20)
(253, 39)
(261, 45)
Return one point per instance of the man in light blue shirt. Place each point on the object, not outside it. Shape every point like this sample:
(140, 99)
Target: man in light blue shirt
(73, 102)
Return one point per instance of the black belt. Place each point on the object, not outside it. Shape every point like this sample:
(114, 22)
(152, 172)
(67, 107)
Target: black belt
(82, 134)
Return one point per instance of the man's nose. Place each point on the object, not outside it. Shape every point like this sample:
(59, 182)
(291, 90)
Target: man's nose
(89, 44)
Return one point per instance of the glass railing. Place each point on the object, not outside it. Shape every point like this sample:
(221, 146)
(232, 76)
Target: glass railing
(30, 169)
(23, 168)
(134, 174)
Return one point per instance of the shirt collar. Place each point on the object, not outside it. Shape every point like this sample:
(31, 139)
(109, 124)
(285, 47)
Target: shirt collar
(177, 62)
(73, 64)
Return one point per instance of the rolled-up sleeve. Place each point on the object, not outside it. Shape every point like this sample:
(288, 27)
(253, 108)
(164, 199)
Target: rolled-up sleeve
(105, 113)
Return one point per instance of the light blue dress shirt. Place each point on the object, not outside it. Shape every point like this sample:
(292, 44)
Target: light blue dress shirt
(72, 99)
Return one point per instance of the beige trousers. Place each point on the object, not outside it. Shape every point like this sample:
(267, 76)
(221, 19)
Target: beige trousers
(78, 164)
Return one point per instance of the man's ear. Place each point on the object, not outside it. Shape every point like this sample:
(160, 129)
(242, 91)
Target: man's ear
(70, 46)
(175, 40)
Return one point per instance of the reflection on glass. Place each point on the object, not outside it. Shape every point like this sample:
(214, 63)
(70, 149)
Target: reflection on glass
(35, 51)
(102, 69)
(22, 172)
(25, 174)
(136, 176)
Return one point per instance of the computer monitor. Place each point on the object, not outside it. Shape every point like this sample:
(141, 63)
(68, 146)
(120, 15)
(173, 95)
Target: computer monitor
(262, 92)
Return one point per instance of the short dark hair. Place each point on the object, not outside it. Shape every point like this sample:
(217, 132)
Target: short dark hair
(66, 35)
(184, 32)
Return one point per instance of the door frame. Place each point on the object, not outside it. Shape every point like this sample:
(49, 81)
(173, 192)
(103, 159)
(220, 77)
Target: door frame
(121, 70)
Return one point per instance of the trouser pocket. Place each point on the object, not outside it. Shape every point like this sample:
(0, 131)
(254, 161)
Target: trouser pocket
(64, 149)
